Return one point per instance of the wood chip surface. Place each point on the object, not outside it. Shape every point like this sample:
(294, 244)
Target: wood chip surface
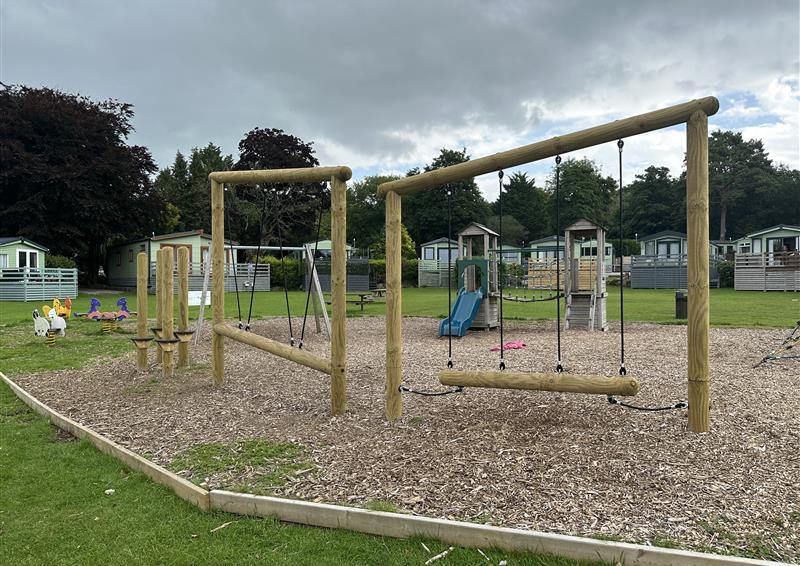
(553, 462)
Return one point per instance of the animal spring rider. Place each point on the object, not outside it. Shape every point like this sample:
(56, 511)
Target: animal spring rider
(695, 115)
(43, 327)
(58, 310)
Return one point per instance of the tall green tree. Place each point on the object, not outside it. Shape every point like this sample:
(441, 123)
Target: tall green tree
(529, 203)
(513, 232)
(292, 209)
(653, 202)
(425, 214)
(738, 169)
(68, 176)
(585, 193)
(366, 216)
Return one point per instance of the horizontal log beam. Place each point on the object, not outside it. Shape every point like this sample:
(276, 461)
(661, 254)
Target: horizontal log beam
(625, 128)
(301, 175)
(561, 382)
(281, 350)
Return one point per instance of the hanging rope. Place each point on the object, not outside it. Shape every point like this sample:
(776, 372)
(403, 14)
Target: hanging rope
(622, 370)
(258, 254)
(449, 278)
(313, 266)
(233, 261)
(500, 274)
(678, 405)
(559, 367)
(285, 283)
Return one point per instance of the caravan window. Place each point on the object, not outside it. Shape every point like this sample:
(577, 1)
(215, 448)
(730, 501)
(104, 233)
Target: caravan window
(428, 253)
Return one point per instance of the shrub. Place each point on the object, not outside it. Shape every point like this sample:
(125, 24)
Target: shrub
(59, 261)
(726, 273)
(377, 272)
(293, 269)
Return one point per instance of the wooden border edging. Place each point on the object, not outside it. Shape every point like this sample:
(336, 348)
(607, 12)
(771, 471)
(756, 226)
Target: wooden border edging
(469, 535)
(183, 488)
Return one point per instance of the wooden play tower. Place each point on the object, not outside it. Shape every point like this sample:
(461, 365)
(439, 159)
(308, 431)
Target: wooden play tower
(585, 277)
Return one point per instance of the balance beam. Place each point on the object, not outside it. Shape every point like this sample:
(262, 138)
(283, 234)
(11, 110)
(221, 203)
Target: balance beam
(562, 382)
(281, 350)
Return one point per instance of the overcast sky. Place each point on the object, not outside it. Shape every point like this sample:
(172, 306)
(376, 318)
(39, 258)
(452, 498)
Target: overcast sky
(382, 86)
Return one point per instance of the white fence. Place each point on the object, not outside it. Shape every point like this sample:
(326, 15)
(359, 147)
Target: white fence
(433, 272)
(769, 271)
(32, 284)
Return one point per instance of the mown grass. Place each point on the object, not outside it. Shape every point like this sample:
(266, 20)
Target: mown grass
(273, 462)
(53, 510)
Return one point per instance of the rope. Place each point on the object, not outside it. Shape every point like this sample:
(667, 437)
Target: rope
(258, 254)
(559, 367)
(404, 389)
(678, 405)
(449, 278)
(285, 285)
(502, 364)
(313, 267)
(622, 370)
(233, 261)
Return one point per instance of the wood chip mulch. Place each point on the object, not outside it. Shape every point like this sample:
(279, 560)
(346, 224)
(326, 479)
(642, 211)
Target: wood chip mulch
(546, 461)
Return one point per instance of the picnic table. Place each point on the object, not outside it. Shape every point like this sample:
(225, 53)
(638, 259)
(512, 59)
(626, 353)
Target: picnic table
(363, 299)
(379, 292)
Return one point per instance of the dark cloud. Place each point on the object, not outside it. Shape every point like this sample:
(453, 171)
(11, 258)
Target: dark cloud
(383, 82)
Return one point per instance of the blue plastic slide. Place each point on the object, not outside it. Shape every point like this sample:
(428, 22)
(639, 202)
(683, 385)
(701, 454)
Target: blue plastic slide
(464, 312)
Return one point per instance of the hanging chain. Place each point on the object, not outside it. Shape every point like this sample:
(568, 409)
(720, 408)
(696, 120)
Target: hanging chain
(502, 364)
(559, 366)
(258, 254)
(450, 278)
(622, 370)
(285, 286)
(233, 259)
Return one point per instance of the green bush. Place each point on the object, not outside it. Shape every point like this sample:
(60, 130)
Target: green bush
(293, 269)
(628, 247)
(726, 273)
(59, 261)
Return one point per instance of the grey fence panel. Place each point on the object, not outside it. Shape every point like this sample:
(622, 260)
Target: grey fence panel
(357, 274)
(243, 278)
(775, 271)
(44, 284)
(662, 272)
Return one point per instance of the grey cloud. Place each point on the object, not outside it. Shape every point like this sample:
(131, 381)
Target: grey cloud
(353, 72)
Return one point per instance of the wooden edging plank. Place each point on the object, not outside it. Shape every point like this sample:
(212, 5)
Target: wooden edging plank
(183, 488)
(470, 535)
(395, 525)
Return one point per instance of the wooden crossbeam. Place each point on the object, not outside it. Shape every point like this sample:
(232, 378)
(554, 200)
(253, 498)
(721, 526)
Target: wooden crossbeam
(561, 382)
(281, 350)
(299, 175)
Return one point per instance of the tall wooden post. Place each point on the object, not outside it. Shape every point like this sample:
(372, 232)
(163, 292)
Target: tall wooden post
(142, 269)
(159, 305)
(338, 290)
(394, 290)
(218, 278)
(167, 304)
(697, 279)
(183, 303)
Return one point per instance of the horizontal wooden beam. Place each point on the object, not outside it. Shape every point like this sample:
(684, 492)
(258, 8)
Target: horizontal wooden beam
(562, 382)
(281, 350)
(625, 128)
(301, 175)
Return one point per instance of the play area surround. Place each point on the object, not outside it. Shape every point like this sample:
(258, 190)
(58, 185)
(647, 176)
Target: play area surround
(695, 115)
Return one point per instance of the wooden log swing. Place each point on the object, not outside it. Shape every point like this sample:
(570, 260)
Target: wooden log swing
(336, 365)
(561, 382)
(695, 115)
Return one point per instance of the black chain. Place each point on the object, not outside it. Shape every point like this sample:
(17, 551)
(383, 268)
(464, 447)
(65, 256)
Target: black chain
(559, 366)
(313, 267)
(404, 389)
(450, 278)
(258, 254)
(622, 370)
(500, 268)
(233, 258)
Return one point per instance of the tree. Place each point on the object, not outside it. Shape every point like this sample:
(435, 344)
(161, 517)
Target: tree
(736, 169)
(530, 204)
(68, 177)
(653, 202)
(585, 193)
(408, 248)
(513, 232)
(292, 210)
(366, 211)
(425, 213)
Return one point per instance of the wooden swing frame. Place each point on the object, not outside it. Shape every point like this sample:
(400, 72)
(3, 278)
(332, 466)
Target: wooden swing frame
(336, 365)
(695, 115)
